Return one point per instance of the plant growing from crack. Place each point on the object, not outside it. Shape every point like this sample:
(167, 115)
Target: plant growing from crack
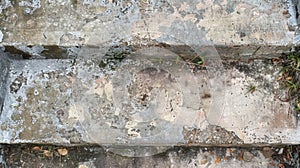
(159, 60)
(202, 61)
(199, 60)
(289, 79)
(289, 74)
(291, 85)
(251, 89)
(295, 61)
(196, 63)
(297, 108)
(178, 59)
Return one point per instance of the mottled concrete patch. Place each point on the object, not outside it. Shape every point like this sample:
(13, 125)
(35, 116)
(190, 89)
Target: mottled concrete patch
(30, 6)
(38, 98)
(253, 115)
(148, 97)
(71, 23)
(211, 135)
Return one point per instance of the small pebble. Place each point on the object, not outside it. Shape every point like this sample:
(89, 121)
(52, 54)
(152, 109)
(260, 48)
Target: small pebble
(82, 166)
(280, 165)
(203, 161)
(267, 152)
(248, 156)
(280, 151)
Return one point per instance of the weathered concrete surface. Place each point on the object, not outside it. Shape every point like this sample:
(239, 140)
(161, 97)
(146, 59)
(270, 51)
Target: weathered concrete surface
(4, 68)
(223, 23)
(150, 98)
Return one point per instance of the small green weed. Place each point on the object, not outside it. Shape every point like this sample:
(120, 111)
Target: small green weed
(251, 89)
(199, 60)
(295, 61)
(289, 79)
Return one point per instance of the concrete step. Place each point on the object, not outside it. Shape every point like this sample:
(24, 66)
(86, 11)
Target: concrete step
(245, 27)
(150, 97)
(153, 92)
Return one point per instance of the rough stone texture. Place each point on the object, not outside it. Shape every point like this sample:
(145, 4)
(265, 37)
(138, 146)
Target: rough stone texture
(63, 101)
(150, 97)
(261, 115)
(222, 23)
(4, 69)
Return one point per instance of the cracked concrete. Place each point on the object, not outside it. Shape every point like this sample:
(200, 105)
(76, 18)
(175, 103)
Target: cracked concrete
(149, 98)
(149, 92)
(224, 23)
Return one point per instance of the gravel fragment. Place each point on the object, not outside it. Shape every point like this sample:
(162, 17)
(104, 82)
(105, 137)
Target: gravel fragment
(248, 156)
(267, 152)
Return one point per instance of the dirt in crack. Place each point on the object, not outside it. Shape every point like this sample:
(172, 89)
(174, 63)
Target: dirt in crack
(145, 81)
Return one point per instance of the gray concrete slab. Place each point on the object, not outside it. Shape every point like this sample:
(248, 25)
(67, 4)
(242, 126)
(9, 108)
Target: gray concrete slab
(223, 23)
(150, 98)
